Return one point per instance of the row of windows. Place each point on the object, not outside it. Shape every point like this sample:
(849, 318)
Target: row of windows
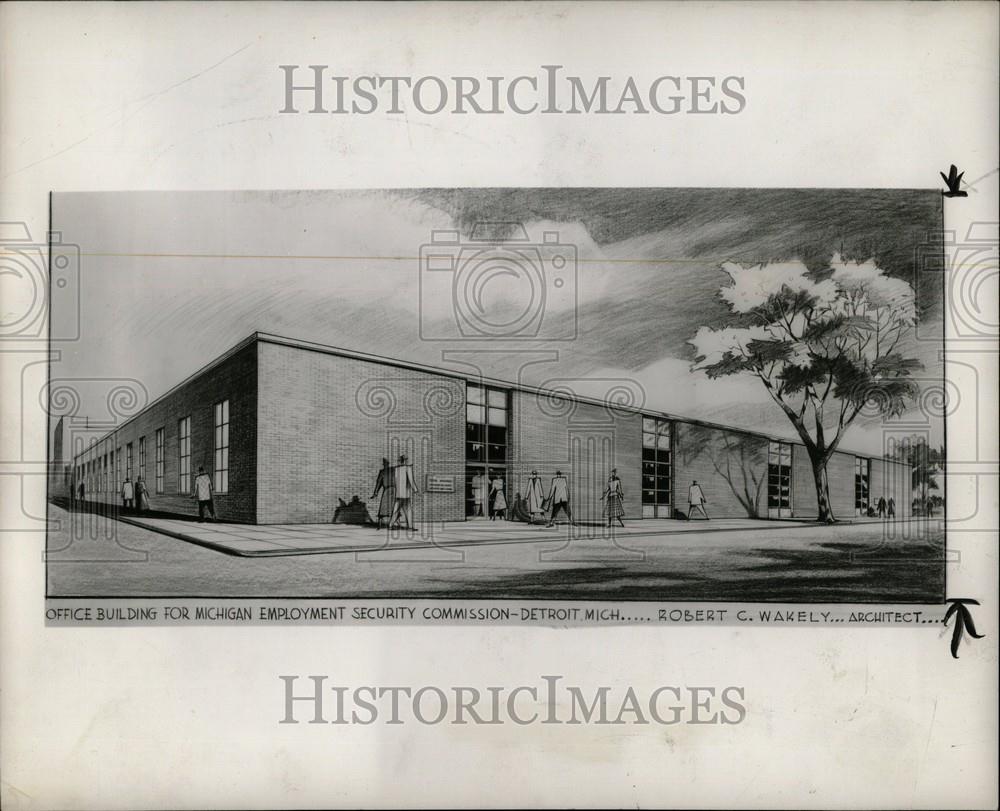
(105, 473)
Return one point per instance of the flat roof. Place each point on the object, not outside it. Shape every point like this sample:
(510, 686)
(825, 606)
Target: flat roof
(312, 346)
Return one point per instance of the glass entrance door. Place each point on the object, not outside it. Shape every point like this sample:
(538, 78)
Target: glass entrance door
(486, 412)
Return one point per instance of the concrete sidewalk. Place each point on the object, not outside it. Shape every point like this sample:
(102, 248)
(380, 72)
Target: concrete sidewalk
(271, 540)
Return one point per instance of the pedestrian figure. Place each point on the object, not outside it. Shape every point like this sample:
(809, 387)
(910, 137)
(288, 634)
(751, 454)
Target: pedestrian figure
(405, 487)
(696, 500)
(613, 496)
(535, 498)
(384, 485)
(128, 494)
(559, 498)
(880, 507)
(203, 491)
(83, 493)
(478, 493)
(498, 503)
(892, 507)
(141, 496)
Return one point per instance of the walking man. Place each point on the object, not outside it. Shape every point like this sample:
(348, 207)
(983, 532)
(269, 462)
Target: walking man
(203, 492)
(559, 498)
(128, 494)
(892, 507)
(406, 488)
(384, 485)
(696, 500)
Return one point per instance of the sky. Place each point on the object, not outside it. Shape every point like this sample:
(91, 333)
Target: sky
(170, 280)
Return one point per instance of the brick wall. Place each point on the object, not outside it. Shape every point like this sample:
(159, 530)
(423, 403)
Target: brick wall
(729, 466)
(235, 379)
(326, 422)
(840, 473)
(582, 440)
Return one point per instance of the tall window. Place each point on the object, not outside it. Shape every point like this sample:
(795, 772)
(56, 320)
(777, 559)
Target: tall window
(779, 480)
(657, 468)
(184, 455)
(222, 447)
(142, 458)
(104, 478)
(862, 479)
(158, 461)
(128, 460)
(485, 444)
(116, 473)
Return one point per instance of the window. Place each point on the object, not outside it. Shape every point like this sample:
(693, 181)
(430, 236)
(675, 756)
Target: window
(116, 473)
(657, 468)
(862, 479)
(222, 447)
(486, 425)
(128, 460)
(184, 455)
(158, 461)
(486, 419)
(142, 458)
(779, 480)
(104, 478)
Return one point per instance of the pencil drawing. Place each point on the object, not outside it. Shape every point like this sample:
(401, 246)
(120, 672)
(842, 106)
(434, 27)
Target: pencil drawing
(659, 394)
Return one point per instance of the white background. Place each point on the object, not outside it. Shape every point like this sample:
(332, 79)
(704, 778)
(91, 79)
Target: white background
(185, 96)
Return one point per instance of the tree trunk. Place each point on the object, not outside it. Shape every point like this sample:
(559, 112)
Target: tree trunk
(825, 507)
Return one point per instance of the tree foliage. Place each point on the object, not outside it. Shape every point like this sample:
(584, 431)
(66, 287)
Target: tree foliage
(824, 346)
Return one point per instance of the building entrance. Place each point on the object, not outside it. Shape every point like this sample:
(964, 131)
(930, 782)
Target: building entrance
(486, 432)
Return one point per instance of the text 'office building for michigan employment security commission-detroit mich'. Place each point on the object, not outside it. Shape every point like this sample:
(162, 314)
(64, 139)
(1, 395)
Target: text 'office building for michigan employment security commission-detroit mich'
(286, 428)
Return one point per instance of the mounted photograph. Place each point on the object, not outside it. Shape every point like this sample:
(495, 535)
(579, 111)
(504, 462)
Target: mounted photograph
(611, 394)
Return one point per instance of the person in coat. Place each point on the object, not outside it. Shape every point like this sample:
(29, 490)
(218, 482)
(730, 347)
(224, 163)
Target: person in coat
(559, 498)
(141, 495)
(384, 485)
(498, 501)
(613, 497)
(128, 494)
(406, 487)
(891, 506)
(535, 497)
(696, 500)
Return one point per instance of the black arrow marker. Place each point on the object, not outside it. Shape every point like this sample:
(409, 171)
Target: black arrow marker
(963, 621)
(953, 180)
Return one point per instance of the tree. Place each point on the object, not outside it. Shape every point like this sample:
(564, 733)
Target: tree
(925, 463)
(823, 345)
